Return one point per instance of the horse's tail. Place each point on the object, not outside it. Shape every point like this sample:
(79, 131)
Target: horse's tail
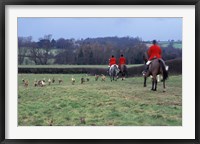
(165, 73)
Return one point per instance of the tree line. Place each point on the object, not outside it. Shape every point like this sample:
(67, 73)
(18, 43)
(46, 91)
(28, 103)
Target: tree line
(89, 51)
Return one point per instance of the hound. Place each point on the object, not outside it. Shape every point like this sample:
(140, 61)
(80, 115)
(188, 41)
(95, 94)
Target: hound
(49, 81)
(103, 77)
(26, 83)
(60, 81)
(96, 77)
(53, 80)
(82, 80)
(73, 81)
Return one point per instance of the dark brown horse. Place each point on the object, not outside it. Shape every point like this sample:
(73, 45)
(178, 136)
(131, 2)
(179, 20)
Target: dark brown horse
(123, 71)
(156, 67)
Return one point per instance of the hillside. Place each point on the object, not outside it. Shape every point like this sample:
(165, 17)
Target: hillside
(90, 51)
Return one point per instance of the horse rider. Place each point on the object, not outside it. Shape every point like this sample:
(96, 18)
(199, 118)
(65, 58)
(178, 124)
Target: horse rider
(122, 61)
(112, 61)
(154, 52)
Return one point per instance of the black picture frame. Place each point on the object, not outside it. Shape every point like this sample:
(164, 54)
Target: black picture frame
(3, 4)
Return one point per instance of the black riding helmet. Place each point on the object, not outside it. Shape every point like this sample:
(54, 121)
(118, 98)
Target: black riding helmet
(154, 42)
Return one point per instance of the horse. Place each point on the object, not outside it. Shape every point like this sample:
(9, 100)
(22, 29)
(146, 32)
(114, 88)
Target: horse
(123, 71)
(113, 72)
(156, 67)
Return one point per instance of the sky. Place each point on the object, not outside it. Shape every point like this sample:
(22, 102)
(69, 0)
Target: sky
(146, 28)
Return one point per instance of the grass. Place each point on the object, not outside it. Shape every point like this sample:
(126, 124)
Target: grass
(97, 103)
(165, 44)
(178, 45)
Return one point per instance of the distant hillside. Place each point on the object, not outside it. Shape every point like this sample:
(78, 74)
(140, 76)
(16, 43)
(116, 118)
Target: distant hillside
(90, 51)
(165, 44)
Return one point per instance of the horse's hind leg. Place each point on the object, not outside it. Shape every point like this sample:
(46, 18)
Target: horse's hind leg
(123, 76)
(155, 84)
(164, 90)
(152, 85)
(145, 80)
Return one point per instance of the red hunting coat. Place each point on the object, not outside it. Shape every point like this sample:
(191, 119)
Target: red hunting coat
(122, 60)
(154, 52)
(112, 61)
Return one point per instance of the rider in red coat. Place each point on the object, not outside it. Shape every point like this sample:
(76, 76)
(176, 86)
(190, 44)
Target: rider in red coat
(153, 52)
(122, 60)
(112, 61)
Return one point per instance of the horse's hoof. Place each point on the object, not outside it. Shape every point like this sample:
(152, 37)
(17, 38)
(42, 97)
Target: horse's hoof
(164, 90)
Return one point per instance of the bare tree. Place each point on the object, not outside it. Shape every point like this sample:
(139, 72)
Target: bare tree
(23, 44)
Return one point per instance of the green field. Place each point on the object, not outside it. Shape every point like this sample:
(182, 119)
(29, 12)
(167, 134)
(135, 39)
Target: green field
(178, 45)
(98, 103)
(165, 44)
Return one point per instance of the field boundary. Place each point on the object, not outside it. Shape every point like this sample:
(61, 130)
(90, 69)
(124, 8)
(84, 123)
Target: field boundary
(175, 67)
